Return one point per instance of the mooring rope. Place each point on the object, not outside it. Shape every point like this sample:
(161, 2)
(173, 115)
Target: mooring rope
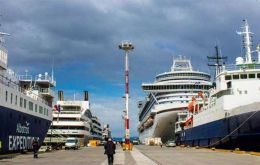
(233, 130)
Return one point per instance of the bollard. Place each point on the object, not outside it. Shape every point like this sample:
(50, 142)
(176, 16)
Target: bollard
(128, 147)
(123, 146)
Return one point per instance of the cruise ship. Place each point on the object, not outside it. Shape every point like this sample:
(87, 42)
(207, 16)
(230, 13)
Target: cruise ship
(229, 117)
(25, 106)
(96, 130)
(168, 95)
(73, 118)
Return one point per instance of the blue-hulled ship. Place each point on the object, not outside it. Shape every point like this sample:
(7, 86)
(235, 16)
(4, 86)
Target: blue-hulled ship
(25, 106)
(228, 116)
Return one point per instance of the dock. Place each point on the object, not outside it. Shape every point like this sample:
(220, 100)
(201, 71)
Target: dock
(140, 155)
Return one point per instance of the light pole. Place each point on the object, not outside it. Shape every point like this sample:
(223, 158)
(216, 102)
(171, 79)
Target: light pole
(126, 46)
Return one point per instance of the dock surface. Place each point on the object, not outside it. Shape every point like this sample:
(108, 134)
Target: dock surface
(141, 155)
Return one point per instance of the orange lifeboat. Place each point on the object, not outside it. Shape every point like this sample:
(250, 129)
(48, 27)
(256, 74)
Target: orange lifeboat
(189, 122)
(193, 103)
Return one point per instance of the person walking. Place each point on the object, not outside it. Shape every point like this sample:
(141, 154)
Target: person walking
(110, 148)
(35, 145)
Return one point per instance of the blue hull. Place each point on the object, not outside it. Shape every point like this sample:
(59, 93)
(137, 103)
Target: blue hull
(18, 129)
(242, 131)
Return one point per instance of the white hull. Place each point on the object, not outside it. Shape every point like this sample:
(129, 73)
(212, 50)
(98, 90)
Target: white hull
(163, 127)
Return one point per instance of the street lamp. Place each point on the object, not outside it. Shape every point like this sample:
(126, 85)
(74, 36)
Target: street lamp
(126, 46)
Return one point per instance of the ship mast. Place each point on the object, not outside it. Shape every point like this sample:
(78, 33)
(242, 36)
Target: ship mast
(216, 60)
(247, 41)
(3, 51)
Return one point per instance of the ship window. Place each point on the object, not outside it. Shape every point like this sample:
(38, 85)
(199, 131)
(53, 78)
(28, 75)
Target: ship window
(16, 100)
(47, 112)
(24, 103)
(21, 102)
(251, 75)
(6, 96)
(243, 76)
(30, 105)
(35, 107)
(228, 77)
(11, 98)
(229, 84)
(258, 75)
(40, 109)
(235, 76)
(44, 111)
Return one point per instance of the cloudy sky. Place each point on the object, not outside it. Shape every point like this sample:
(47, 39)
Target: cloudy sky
(82, 38)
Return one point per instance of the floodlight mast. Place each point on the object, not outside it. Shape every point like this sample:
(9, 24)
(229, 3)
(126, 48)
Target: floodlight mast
(126, 46)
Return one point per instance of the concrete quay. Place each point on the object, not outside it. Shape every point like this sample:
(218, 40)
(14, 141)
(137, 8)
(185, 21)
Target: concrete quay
(141, 155)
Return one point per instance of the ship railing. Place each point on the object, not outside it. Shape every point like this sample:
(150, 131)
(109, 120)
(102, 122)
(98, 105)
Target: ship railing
(64, 131)
(55, 139)
(25, 78)
(67, 112)
(45, 78)
(14, 85)
(46, 91)
(177, 128)
(232, 67)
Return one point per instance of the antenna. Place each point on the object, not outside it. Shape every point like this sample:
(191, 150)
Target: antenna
(216, 60)
(2, 40)
(2, 34)
(52, 70)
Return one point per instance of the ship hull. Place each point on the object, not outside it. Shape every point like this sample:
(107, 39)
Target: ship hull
(17, 130)
(162, 127)
(239, 131)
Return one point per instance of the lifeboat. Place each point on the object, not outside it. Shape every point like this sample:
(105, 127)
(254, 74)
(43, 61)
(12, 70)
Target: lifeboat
(193, 106)
(149, 122)
(189, 122)
(141, 128)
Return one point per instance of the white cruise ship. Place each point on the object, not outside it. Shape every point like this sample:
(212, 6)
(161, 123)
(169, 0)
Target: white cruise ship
(96, 128)
(73, 119)
(25, 106)
(168, 95)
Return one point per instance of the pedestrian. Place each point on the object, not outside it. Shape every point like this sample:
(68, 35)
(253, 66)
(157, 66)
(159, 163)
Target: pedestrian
(35, 145)
(110, 148)
(161, 144)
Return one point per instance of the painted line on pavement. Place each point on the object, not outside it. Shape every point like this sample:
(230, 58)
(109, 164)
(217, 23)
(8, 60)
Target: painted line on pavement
(140, 158)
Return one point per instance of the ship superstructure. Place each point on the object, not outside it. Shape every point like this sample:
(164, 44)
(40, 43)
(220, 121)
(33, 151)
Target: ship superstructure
(25, 106)
(168, 95)
(73, 118)
(96, 128)
(230, 116)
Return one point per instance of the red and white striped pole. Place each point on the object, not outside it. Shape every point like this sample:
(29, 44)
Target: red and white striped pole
(126, 46)
(127, 131)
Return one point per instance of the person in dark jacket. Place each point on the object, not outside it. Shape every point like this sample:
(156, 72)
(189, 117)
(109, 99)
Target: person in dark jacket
(35, 145)
(110, 148)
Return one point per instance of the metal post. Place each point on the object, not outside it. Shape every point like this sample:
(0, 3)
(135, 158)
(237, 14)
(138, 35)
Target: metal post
(126, 46)
(127, 131)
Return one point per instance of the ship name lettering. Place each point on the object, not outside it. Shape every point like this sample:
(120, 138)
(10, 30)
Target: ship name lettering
(22, 129)
(20, 142)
